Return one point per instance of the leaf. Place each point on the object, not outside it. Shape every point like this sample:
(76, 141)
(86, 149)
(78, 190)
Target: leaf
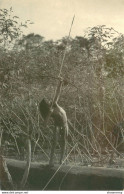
(15, 22)
(109, 43)
(24, 25)
(16, 17)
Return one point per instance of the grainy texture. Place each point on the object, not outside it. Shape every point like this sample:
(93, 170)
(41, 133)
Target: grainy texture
(68, 177)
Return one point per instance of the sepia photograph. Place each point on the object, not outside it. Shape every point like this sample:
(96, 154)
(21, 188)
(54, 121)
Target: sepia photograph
(61, 96)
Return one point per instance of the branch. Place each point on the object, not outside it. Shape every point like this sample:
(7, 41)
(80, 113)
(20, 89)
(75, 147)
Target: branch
(5, 177)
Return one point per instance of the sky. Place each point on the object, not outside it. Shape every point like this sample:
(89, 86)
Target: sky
(52, 18)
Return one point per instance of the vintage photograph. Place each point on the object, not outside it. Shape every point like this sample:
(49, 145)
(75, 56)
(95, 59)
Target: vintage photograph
(62, 95)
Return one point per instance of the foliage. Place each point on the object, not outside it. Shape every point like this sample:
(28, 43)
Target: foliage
(10, 27)
(93, 88)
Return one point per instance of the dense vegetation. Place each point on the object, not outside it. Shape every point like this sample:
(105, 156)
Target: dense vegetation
(93, 92)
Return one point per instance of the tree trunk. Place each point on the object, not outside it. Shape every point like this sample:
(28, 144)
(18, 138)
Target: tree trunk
(43, 177)
(5, 177)
(27, 167)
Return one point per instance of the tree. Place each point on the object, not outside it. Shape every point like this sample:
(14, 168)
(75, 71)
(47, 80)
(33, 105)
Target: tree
(115, 58)
(30, 41)
(10, 27)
